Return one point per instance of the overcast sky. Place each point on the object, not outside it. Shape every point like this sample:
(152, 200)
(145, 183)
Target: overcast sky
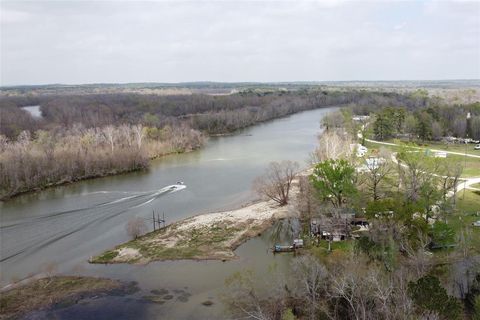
(134, 41)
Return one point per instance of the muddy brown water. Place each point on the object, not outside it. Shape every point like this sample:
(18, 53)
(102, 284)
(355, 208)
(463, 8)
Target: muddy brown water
(58, 229)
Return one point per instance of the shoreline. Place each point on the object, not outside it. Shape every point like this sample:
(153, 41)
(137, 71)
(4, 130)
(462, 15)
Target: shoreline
(52, 292)
(104, 175)
(207, 236)
(99, 176)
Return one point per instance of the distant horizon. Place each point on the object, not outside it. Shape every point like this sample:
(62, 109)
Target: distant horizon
(235, 82)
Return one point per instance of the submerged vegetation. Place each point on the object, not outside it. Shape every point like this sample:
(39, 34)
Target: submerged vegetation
(58, 291)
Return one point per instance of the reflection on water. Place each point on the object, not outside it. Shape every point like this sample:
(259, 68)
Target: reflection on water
(62, 227)
(178, 289)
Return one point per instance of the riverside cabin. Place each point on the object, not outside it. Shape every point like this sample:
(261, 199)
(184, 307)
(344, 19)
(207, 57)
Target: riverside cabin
(337, 227)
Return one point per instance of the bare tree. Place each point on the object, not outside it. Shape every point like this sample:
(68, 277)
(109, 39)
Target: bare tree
(352, 289)
(246, 299)
(47, 157)
(363, 291)
(275, 184)
(333, 120)
(136, 227)
(310, 283)
(416, 251)
(333, 144)
(109, 132)
(139, 134)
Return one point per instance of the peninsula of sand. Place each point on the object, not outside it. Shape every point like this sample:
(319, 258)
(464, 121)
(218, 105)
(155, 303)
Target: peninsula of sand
(211, 236)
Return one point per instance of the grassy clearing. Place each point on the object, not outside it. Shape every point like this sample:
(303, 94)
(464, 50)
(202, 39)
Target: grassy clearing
(59, 291)
(339, 249)
(471, 165)
(470, 203)
(461, 148)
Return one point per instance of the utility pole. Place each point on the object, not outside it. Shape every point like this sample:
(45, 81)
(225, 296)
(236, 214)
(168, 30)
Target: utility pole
(153, 219)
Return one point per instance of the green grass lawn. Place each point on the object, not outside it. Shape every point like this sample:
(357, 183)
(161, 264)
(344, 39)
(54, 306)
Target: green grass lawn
(461, 148)
(339, 249)
(472, 165)
(470, 203)
(452, 147)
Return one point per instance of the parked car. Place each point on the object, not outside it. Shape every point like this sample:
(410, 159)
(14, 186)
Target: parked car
(477, 147)
(476, 223)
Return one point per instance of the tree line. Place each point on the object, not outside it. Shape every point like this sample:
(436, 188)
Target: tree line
(431, 123)
(47, 158)
(213, 114)
(89, 135)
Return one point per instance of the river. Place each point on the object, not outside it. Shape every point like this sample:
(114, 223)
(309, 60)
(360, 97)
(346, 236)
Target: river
(58, 229)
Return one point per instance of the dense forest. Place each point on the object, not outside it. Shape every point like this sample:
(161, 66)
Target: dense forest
(88, 135)
(214, 114)
(64, 155)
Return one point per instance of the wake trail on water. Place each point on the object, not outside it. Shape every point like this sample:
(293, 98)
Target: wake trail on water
(42, 231)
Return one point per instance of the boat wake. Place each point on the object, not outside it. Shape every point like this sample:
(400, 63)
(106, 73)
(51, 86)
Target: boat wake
(44, 230)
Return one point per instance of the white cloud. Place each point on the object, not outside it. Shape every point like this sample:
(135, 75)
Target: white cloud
(400, 26)
(80, 42)
(13, 16)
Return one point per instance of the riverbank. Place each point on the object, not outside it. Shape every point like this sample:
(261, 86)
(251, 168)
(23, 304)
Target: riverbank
(57, 292)
(67, 182)
(80, 161)
(93, 176)
(211, 236)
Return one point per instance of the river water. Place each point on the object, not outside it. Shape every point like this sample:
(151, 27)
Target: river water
(58, 229)
(34, 111)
